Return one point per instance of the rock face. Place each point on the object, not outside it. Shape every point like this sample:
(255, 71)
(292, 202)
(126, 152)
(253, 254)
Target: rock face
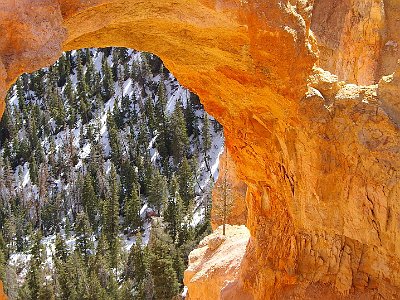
(215, 264)
(235, 194)
(389, 91)
(320, 153)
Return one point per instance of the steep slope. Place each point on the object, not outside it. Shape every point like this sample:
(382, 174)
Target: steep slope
(98, 125)
(321, 162)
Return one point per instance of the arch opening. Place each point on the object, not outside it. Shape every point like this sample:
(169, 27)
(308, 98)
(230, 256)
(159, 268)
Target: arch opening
(103, 138)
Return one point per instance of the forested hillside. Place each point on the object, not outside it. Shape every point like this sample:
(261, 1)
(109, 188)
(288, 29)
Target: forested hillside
(106, 167)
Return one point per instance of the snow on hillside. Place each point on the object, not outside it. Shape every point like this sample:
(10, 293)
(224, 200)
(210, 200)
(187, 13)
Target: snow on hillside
(207, 175)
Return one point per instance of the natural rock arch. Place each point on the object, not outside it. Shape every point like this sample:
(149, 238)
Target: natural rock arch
(321, 168)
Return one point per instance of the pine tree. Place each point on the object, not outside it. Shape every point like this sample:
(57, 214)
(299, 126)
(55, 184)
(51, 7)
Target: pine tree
(166, 284)
(90, 72)
(111, 216)
(108, 83)
(61, 252)
(206, 134)
(89, 200)
(38, 83)
(178, 265)
(114, 141)
(84, 244)
(143, 138)
(33, 170)
(56, 106)
(158, 191)
(163, 123)
(161, 104)
(129, 177)
(186, 182)
(9, 230)
(137, 270)
(69, 95)
(118, 115)
(190, 117)
(174, 216)
(132, 209)
(73, 278)
(180, 140)
(62, 70)
(83, 92)
(20, 95)
(115, 63)
(127, 71)
(223, 209)
(151, 119)
(7, 128)
(34, 277)
(3, 265)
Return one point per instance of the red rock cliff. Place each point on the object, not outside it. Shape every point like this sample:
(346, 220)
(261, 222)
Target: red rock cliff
(320, 157)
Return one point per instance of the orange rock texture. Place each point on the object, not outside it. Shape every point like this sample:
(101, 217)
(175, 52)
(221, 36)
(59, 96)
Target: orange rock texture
(228, 186)
(215, 264)
(311, 132)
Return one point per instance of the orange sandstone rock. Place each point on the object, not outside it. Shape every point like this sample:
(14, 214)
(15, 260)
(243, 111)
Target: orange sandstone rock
(389, 91)
(236, 194)
(215, 263)
(320, 155)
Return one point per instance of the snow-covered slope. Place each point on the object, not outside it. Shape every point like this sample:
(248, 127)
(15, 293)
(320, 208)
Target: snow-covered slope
(62, 142)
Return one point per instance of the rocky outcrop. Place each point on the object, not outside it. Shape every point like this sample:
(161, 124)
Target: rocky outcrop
(389, 91)
(216, 262)
(349, 35)
(320, 155)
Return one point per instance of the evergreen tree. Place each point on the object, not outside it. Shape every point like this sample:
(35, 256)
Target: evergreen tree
(61, 252)
(186, 182)
(84, 244)
(34, 277)
(90, 72)
(206, 134)
(161, 104)
(137, 271)
(174, 216)
(178, 265)
(151, 119)
(83, 92)
(190, 117)
(33, 170)
(20, 95)
(73, 278)
(166, 284)
(180, 140)
(111, 216)
(158, 191)
(90, 200)
(38, 83)
(132, 209)
(62, 70)
(70, 97)
(7, 129)
(3, 265)
(129, 177)
(108, 83)
(114, 141)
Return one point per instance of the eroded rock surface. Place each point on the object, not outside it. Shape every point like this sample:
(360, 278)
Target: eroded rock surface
(228, 185)
(320, 155)
(216, 262)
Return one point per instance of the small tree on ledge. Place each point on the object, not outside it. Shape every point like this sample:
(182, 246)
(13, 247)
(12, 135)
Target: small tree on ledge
(223, 209)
